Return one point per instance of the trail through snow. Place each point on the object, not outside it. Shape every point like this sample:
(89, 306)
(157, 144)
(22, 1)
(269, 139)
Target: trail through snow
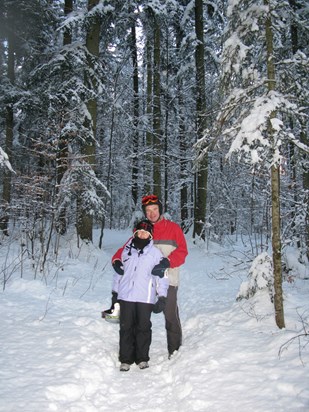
(57, 354)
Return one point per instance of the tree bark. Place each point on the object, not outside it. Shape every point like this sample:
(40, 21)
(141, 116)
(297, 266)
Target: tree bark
(62, 152)
(9, 119)
(303, 135)
(275, 185)
(85, 220)
(157, 132)
(202, 173)
(67, 35)
(135, 139)
(305, 179)
(149, 134)
(182, 142)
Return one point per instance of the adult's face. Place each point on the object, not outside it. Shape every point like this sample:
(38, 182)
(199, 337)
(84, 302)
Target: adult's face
(152, 213)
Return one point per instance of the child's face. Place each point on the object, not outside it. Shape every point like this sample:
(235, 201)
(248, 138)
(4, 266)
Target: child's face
(142, 234)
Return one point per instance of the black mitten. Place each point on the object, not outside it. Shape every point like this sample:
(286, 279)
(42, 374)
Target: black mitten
(118, 267)
(160, 305)
(161, 267)
(114, 299)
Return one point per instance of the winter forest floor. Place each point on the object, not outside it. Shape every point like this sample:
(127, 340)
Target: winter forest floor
(57, 354)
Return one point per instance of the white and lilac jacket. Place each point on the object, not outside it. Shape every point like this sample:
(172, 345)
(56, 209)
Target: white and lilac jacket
(137, 284)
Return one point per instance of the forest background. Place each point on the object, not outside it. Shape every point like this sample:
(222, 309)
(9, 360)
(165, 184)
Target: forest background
(204, 103)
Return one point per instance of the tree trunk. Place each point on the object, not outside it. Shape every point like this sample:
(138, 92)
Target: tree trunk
(305, 179)
(63, 150)
(7, 175)
(85, 223)
(276, 246)
(157, 132)
(182, 142)
(303, 135)
(149, 134)
(67, 35)
(275, 185)
(202, 173)
(165, 158)
(135, 139)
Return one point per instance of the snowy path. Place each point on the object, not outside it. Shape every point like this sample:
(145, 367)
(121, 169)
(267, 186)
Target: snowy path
(58, 355)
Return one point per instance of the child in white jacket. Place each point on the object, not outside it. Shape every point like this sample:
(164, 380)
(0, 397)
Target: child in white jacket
(140, 287)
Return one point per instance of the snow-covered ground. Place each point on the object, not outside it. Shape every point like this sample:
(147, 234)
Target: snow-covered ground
(57, 354)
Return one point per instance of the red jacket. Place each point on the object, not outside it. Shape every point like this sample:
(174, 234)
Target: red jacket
(169, 238)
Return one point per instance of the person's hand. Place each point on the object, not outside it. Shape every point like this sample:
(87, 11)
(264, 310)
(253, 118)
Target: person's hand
(118, 267)
(114, 299)
(160, 305)
(161, 267)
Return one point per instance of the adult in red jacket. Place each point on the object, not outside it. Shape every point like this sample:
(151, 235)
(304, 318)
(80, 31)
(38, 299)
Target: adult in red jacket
(169, 238)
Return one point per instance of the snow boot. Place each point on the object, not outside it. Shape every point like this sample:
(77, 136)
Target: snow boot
(124, 367)
(143, 365)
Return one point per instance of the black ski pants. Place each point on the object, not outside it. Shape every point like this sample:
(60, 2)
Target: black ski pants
(135, 332)
(172, 321)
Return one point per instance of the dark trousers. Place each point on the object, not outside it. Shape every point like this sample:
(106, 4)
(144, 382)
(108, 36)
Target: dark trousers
(172, 321)
(135, 332)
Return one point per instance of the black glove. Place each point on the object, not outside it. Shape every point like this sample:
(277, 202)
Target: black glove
(160, 305)
(114, 299)
(117, 265)
(161, 267)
